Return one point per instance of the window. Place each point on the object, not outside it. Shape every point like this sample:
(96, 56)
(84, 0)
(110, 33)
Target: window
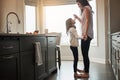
(61, 13)
(30, 18)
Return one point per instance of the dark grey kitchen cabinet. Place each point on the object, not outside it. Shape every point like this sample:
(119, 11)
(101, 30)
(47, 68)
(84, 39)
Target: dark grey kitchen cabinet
(17, 57)
(27, 58)
(9, 58)
(115, 55)
(27, 69)
(9, 67)
(48, 45)
(51, 54)
(41, 70)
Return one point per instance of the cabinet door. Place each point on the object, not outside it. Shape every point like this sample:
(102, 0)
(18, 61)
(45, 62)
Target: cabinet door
(51, 54)
(51, 59)
(9, 67)
(41, 69)
(119, 72)
(27, 65)
(9, 45)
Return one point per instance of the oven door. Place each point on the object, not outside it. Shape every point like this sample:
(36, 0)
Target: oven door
(119, 70)
(119, 66)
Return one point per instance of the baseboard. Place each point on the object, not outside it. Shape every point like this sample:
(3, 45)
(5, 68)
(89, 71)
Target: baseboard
(69, 58)
(97, 60)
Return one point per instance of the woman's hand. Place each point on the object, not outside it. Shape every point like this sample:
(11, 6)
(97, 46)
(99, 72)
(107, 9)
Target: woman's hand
(75, 16)
(85, 37)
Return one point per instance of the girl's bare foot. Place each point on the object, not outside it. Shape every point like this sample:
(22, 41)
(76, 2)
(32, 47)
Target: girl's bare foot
(76, 75)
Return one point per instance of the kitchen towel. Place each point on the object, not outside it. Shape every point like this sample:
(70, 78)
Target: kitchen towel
(38, 54)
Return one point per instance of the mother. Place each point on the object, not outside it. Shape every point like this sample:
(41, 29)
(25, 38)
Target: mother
(87, 32)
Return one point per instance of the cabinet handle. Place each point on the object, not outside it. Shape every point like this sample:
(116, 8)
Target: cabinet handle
(117, 55)
(8, 57)
(50, 41)
(114, 40)
(118, 36)
(118, 42)
(7, 47)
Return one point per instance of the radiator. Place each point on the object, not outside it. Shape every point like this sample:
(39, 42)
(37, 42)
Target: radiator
(66, 53)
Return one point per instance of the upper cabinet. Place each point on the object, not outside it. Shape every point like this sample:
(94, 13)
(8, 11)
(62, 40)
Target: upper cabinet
(114, 15)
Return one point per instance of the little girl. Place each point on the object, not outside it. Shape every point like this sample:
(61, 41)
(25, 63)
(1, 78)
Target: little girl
(71, 30)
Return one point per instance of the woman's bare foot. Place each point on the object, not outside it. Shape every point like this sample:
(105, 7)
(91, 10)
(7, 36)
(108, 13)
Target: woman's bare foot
(76, 75)
(84, 75)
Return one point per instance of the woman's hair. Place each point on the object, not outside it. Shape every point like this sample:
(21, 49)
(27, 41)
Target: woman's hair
(84, 3)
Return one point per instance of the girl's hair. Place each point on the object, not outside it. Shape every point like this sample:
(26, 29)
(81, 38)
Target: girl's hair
(68, 24)
(84, 3)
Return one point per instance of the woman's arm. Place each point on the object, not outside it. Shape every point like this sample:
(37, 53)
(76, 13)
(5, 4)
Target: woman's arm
(87, 19)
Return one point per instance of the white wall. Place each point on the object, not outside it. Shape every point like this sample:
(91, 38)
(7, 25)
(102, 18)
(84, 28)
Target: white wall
(11, 6)
(6, 7)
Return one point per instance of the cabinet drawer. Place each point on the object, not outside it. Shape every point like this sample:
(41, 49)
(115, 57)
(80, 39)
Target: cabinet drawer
(51, 41)
(27, 43)
(9, 46)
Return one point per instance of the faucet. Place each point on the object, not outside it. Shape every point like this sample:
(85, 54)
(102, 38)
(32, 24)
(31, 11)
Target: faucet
(7, 19)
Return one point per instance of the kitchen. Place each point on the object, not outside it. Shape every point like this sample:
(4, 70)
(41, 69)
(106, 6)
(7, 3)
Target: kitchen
(107, 23)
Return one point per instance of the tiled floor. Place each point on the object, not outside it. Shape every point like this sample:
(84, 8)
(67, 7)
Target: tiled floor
(97, 72)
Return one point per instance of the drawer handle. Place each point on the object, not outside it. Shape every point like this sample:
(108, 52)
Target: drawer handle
(8, 57)
(50, 41)
(7, 47)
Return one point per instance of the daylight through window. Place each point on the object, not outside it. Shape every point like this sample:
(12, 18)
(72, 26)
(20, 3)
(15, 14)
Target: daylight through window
(55, 17)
